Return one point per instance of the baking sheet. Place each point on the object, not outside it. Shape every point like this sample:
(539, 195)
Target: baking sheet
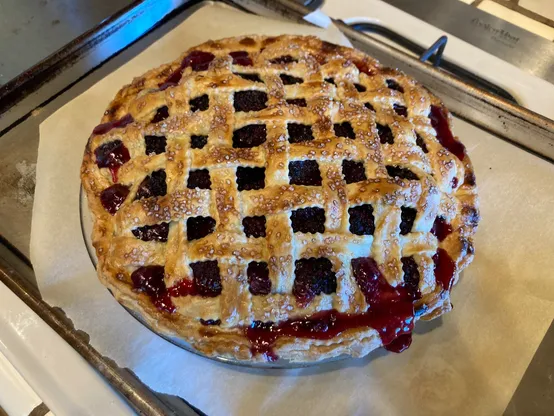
(468, 362)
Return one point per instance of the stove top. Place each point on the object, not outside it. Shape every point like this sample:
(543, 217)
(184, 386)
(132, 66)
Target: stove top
(528, 51)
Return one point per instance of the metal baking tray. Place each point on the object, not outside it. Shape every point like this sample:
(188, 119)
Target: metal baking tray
(32, 97)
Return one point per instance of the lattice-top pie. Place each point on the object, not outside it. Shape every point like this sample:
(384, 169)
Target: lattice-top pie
(267, 197)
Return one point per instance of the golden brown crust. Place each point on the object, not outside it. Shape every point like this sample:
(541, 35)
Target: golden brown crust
(446, 188)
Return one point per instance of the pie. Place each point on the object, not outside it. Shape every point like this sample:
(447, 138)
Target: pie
(269, 198)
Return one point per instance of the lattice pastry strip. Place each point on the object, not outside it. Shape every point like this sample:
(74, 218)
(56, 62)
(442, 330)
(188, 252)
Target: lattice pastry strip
(264, 196)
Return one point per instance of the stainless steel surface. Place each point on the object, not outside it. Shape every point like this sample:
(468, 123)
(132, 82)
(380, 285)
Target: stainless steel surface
(30, 30)
(81, 56)
(530, 52)
(509, 122)
(18, 157)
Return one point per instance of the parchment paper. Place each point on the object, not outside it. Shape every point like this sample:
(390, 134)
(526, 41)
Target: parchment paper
(468, 362)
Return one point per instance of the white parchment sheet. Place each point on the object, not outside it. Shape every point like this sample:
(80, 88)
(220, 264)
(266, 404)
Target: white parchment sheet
(467, 363)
